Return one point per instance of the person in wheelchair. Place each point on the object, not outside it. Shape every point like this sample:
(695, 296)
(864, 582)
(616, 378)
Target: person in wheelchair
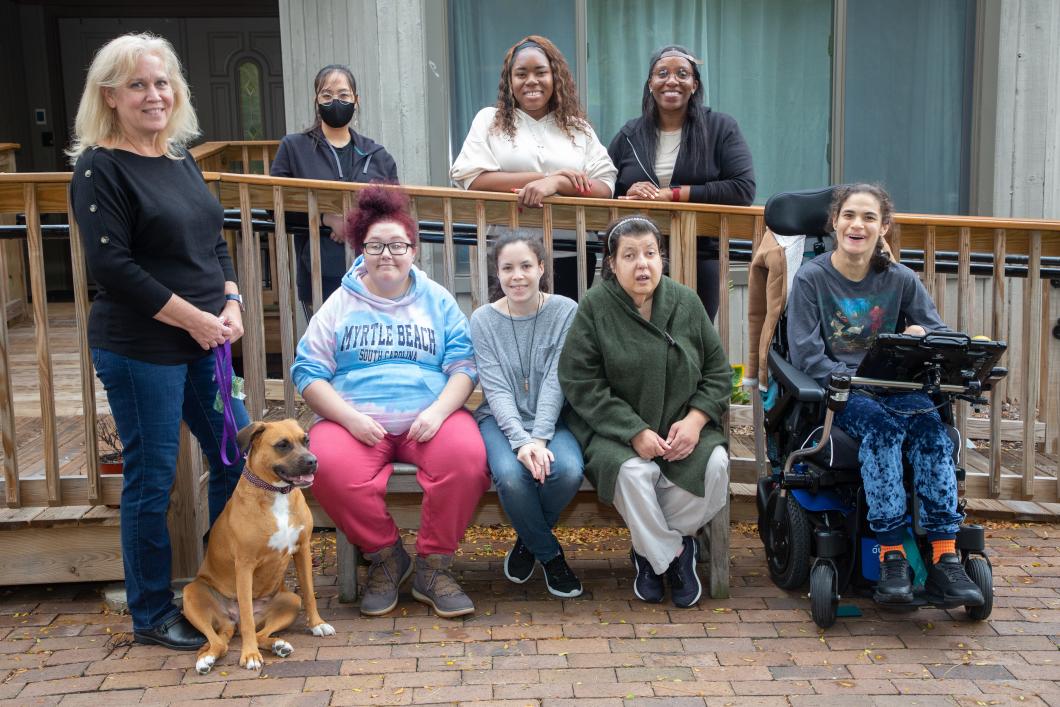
(839, 301)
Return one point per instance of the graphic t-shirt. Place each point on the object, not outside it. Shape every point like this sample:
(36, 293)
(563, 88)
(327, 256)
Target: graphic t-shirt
(832, 321)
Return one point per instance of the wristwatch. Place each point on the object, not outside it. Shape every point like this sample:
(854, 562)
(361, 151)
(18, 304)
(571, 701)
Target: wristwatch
(675, 194)
(236, 298)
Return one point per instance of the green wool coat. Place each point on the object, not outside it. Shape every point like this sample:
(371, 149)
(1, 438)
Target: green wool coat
(622, 374)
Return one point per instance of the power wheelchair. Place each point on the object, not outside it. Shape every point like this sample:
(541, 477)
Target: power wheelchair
(812, 511)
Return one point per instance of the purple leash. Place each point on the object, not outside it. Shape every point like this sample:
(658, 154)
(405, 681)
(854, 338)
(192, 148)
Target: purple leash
(222, 368)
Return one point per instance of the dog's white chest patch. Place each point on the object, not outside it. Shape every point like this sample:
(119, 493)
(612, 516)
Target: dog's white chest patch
(285, 539)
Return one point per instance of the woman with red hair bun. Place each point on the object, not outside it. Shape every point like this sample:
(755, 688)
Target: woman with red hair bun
(387, 365)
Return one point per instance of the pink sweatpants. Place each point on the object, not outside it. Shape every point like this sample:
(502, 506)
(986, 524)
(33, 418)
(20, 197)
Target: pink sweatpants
(351, 482)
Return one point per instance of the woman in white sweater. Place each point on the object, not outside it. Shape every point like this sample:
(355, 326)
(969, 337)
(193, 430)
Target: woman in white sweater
(536, 141)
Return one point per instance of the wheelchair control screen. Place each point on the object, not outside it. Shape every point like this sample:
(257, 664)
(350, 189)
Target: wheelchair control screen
(946, 358)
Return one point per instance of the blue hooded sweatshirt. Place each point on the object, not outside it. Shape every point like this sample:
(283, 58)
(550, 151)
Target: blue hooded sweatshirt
(389, 359)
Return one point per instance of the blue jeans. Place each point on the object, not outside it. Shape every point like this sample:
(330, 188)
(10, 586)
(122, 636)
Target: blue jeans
(534, 508)
(148, 402)
(885, 434)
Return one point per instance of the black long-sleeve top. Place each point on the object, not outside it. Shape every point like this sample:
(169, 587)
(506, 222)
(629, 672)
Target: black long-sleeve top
(151, 229)
(722, 174)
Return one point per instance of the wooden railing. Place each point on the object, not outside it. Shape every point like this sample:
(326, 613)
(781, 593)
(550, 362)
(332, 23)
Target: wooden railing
(1029, 335)
(14, 282)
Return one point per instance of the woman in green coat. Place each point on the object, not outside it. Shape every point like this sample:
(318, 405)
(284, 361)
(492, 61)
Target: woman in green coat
(648, 383)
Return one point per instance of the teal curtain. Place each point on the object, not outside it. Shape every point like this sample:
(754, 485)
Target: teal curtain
(479, 35)
(766, 62)
(906, 100)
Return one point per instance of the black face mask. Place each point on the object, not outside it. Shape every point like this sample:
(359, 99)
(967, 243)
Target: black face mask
(337, 113)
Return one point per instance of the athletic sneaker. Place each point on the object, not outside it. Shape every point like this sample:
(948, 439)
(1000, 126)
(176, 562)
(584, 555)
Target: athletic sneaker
(519, 563)
(559, 578)
(647, 585)
(685, 587)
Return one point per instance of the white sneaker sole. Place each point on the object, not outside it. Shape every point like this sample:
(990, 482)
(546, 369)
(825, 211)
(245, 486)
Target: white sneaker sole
(516, 579)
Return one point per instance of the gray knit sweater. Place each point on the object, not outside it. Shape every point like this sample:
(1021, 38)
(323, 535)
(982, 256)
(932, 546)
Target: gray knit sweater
(501, 344)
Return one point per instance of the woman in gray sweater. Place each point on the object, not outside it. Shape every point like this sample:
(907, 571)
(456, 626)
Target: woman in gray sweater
(535, 461)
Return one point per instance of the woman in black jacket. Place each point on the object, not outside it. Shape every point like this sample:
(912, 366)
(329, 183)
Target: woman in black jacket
(330, 149)
(681, 150)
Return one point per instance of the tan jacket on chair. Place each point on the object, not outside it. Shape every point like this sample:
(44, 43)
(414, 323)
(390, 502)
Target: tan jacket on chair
(768, 283)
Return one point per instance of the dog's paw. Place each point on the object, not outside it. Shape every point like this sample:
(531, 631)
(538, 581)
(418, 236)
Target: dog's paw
(251, 661)
(282, 648)
(323, 629)
(204, 664)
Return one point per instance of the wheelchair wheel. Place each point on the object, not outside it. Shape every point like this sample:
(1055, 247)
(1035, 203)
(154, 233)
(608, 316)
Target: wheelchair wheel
(788, 548)
(823, 598)
(978, 569)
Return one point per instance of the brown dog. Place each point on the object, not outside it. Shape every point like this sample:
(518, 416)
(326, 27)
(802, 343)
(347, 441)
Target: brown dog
(265, 522)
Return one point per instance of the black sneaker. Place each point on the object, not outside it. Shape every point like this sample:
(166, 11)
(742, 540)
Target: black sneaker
(559, 578)
(948, 583)
(519, 562)
(895, 586)
(647, 585)
(685, 587)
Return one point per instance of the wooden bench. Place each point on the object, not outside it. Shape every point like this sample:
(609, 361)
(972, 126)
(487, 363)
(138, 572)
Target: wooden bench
(404, 498)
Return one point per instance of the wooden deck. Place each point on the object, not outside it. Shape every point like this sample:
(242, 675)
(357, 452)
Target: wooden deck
(70, 427)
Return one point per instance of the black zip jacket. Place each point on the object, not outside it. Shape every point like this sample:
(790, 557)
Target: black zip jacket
(721, 175)
(311, 156)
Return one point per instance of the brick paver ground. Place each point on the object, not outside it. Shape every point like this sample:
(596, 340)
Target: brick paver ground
(58, 645)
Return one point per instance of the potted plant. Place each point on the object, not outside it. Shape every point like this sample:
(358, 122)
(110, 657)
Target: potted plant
(110, 449)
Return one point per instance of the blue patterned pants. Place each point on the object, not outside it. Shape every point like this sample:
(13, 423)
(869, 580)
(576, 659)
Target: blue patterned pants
(886, 434)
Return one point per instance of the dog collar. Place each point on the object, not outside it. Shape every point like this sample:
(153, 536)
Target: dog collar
(255, 481)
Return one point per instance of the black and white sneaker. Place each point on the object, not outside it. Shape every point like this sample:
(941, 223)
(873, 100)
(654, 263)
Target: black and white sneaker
(647, 585)
(685, 587)
(519, 562)
(560, 579)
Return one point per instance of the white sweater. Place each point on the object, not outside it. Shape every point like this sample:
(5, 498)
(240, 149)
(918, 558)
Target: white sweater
(539, 146)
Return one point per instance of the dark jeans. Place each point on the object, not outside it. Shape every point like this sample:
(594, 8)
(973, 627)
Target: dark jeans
(885, 434)
(532, 507)
(148, 402)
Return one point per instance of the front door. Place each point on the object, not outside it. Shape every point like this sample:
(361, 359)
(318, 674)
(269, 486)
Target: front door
(233, 67)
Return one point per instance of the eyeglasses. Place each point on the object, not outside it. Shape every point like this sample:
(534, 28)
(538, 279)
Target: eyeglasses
(327, 97)
(681, 74)
(395, 248)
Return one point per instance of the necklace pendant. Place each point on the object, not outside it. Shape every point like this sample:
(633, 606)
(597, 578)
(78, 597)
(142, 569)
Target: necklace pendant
(526, 385)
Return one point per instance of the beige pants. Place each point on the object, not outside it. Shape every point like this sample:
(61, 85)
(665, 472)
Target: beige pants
(659, 513)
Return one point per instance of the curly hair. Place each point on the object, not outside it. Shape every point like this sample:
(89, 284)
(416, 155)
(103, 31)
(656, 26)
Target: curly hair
(880, 260)
(564, 101)
(376, 205)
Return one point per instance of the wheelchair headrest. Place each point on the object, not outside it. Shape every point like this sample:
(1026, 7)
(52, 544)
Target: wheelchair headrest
(794, 213)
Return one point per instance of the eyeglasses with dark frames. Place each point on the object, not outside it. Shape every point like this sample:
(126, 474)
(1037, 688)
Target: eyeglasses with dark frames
(395, 248)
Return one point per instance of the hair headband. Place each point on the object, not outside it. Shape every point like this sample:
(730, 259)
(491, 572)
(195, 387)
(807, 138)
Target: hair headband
(680, 54)
(528, 44)
(630, 219)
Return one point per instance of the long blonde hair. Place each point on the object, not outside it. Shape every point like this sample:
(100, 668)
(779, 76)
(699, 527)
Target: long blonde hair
(114, 64)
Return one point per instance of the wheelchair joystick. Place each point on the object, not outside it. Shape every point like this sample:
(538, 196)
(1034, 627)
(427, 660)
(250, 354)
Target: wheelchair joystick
(838, 392)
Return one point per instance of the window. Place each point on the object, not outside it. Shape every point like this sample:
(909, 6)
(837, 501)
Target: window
(479, 35)
(765, 62)
(907, 98)
(250, 118)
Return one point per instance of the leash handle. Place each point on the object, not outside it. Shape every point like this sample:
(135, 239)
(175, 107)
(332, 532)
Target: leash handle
(222, 367)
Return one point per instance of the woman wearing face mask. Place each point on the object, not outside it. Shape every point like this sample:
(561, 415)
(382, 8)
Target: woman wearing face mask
(536, 141)
(330, 149)
(680, 150)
